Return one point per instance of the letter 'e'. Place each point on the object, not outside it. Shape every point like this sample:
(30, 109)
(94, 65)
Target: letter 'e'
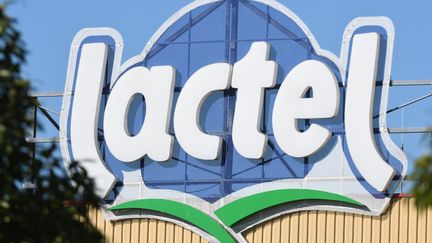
(292, 105)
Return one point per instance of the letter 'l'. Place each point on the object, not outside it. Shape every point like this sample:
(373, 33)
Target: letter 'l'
(358, 111)
(85, 115)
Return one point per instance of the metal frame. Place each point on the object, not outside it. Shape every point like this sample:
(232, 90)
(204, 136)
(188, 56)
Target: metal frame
(45, 111)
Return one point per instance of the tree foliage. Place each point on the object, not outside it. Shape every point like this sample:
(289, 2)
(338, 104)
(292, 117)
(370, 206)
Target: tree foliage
(54, 210)
(422, 187)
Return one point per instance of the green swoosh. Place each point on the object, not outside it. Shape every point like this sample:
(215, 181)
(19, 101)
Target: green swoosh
(244, 207)
(182, 211)
(232, 212)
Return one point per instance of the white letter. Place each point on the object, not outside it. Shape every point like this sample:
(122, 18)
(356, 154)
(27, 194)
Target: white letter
(358, 111)
(251, 75)
(291, 105)
(156, 85)
(186, 116)
(85, 115)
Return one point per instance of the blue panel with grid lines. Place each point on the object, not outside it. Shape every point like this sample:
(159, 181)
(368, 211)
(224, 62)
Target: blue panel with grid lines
(223, 31)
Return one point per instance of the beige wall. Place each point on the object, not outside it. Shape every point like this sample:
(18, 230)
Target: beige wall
(402, 222)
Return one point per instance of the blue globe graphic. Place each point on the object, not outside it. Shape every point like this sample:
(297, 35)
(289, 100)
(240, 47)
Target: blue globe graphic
(222, 32)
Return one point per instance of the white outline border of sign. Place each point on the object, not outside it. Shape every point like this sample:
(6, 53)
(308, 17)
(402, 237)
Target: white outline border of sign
(341, 63)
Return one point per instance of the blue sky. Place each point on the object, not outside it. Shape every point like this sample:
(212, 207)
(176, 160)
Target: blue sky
(48, 27)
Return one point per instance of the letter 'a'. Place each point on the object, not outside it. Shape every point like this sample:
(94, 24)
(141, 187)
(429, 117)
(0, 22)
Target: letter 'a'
(186, 116)
(156, 85)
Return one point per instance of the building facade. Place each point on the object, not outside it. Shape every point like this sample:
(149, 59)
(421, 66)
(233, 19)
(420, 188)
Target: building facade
(234, 125)
(401, 222)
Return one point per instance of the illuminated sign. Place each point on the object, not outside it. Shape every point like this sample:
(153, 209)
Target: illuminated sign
(218, 120)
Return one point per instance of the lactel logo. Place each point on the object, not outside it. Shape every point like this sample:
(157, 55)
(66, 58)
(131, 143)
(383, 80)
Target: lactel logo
(317, 89)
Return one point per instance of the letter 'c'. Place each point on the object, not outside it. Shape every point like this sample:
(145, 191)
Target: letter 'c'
(292, 105)
(186, 116)
(156, 85)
